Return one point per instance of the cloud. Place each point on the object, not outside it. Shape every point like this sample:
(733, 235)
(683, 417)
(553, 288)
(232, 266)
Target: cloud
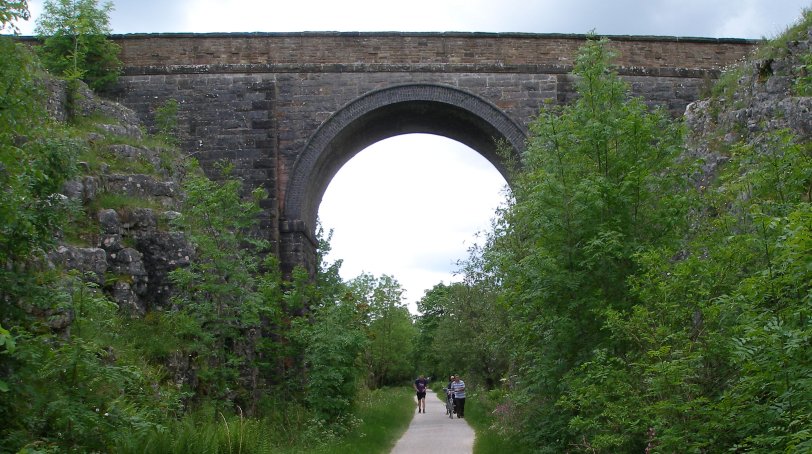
(718, 18)
(149, 16)
(128, 16)
(761, 19)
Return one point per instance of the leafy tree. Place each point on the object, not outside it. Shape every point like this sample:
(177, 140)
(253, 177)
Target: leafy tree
(761, 313)
(391, 348)
(12, 11)
(75, 43)
(698, 341)
(34, 162)
(333, 342)
(63, 386)
(433, 310)
(644, 314)
(332, 339)
(72, 390)
(593, 192)
(8, 344)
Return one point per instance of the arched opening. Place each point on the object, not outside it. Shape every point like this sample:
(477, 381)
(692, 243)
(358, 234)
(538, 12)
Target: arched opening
(430, 109)
(410, 207)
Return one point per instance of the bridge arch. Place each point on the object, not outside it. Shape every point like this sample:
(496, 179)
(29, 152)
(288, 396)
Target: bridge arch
(403, 109)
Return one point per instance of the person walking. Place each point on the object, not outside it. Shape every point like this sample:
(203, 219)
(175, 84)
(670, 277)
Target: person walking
(458, 386)
(420, 386)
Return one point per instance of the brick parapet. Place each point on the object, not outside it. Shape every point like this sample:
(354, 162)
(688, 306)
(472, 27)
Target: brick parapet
(413, 52)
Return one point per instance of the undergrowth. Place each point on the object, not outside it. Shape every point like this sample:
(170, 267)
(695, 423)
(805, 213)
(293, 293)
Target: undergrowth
(378, 420)
(493, 418)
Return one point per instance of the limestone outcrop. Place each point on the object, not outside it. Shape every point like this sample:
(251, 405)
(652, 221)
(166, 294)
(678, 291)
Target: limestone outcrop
(132, 247)
(763, 96)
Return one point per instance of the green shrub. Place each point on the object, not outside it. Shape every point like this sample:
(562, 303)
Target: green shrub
(75, 43)
(803, 83)
(166, 121)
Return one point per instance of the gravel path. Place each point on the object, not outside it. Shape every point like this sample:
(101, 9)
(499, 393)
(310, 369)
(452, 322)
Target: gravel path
(434, 432)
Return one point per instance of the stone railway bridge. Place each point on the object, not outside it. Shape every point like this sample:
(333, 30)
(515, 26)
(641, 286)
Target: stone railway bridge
(289, 109)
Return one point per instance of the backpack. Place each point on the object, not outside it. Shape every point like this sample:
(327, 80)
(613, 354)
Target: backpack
(421, 387)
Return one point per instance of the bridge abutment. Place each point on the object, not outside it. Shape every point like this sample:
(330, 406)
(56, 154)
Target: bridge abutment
(298, 247)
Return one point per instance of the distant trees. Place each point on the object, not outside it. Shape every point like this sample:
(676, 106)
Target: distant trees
(389, 327)
(461, 330)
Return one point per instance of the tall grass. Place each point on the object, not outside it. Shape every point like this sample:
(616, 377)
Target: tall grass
(233, 434)
(379, 419)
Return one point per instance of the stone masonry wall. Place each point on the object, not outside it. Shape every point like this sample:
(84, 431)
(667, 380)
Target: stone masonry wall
(255, 99)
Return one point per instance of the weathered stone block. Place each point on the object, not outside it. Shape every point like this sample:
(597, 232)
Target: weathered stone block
(108, 220)
(91, 262)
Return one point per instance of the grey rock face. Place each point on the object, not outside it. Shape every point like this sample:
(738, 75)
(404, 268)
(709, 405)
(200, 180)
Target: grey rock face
(108, 220)
(112, 243)
(139, 185)
(73, 189)
(163, 252)
(797, 112)
(140, 220)
(126, 123)
(84, 189)
(57, 101)
(123, 131)
(153, 157)
(765, 100)
(127, 299)
(128, 292)
(127, 261)
(143, 267)
(91, 262)
(132, 256)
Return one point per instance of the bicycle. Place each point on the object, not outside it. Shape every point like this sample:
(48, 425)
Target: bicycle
(449, 402)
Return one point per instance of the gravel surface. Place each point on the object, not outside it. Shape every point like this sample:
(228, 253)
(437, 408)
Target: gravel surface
(434, 433)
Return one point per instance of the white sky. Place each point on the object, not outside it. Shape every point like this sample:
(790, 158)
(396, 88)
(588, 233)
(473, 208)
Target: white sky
(410, 206)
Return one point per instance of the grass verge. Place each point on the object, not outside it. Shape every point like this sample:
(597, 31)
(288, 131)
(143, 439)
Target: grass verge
(478, 413)
(379, 419)
(385, 415)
